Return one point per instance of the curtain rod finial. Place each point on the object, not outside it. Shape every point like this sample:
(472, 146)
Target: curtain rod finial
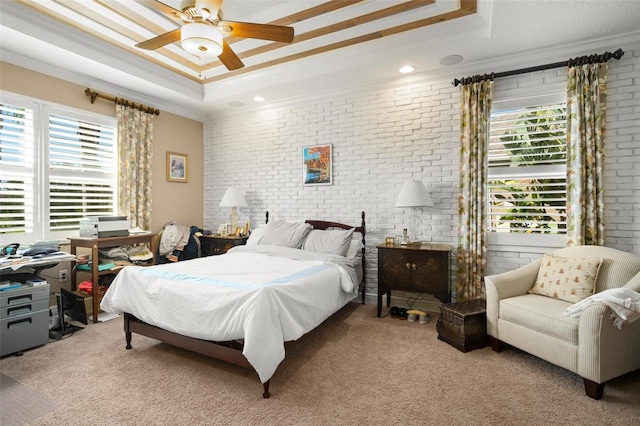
(92, 94)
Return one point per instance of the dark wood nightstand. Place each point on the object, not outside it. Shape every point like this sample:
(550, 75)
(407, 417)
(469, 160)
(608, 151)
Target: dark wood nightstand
(420, 268)
(216, 244)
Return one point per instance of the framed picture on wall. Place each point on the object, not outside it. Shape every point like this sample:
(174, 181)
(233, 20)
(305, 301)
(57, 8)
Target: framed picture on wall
(316, 165)
(177, 167)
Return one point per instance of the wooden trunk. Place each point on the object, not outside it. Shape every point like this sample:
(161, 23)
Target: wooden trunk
(464, 324)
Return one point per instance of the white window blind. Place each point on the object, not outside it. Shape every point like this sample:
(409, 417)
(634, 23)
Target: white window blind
(17, 174)
(58, 167)
(82, 173)
(527, 170)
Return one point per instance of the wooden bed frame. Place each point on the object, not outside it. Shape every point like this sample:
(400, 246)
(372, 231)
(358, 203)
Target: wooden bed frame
(230, 351)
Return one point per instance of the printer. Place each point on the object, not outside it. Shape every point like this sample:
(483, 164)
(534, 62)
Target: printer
(105, 226)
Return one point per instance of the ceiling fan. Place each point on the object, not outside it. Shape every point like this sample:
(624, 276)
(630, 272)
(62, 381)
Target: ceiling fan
(203, 31)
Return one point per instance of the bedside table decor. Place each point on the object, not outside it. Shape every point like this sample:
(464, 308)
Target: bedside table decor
(414, 195)
(233, 198)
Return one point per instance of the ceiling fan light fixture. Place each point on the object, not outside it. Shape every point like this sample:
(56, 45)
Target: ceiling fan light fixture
(201, 39)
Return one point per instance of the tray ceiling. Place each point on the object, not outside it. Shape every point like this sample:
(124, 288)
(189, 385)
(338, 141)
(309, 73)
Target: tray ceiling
(339, 45)
(320, 27)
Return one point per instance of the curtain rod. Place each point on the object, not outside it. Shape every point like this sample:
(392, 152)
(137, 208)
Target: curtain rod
(94, 95)
(582, 60)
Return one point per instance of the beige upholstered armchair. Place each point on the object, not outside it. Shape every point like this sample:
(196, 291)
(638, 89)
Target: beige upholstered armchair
(590, 345)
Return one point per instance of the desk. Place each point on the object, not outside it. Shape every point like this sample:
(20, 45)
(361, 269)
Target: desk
(97, 243)
(12, 266)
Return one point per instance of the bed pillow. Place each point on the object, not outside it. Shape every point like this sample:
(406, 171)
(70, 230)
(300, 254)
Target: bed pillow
(332, 241)
(287, 234)
(568, 279)
(256, 235)
(355, 247)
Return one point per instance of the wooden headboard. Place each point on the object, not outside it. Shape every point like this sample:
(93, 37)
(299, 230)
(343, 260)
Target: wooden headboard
(362, 229)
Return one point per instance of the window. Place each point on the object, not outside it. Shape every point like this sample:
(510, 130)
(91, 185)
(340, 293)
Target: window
(58, 165)
(527, 158)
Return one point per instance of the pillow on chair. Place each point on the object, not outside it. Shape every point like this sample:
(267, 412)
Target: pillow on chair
(568, 279)
(634, 283)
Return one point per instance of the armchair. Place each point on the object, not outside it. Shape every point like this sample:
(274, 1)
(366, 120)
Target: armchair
(590, 346)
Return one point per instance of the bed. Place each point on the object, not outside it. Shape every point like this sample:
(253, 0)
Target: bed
(243, 306)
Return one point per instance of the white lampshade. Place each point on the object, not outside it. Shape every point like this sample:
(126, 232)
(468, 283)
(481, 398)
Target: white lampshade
(201, 39)
(414, 194)
(233, 198)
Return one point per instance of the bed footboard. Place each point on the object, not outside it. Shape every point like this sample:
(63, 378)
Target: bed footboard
(230, 352)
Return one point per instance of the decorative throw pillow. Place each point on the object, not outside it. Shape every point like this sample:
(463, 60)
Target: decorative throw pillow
(568, 279)
(332, 241)
(287, 234)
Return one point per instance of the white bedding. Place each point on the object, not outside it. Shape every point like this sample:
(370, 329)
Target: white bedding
(265, 295)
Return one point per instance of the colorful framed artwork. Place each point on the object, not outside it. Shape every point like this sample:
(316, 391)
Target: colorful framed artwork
(316, 165)
(177, 167)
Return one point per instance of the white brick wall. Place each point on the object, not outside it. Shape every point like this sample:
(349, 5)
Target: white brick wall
(385, 136)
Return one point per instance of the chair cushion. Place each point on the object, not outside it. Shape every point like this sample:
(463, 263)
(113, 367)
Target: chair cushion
(569, 279)
(540, 313)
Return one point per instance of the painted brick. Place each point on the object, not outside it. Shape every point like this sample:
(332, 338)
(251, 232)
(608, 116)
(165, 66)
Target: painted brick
(382, 138)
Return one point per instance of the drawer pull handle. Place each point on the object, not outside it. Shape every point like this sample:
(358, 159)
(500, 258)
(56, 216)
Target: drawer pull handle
(19, 310)
(407, 266)
(18, 323)
(414, 267)
(19, 299)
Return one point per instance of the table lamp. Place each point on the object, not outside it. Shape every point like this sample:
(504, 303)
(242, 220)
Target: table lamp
(233, 198)
(414, 194)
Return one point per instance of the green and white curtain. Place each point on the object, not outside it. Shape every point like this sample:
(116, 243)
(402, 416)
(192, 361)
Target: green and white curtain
(135, 151)
(475, 114)
(586, 124)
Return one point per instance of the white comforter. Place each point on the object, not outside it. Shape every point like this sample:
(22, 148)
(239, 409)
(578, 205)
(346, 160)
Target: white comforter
(265, 295)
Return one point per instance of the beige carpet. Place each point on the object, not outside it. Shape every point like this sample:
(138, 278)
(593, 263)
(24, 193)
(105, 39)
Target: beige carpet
(354, 369)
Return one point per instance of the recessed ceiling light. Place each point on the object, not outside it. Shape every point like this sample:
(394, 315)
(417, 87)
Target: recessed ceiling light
(259, 99)
(236, 104)
(451, 60)
(406, 69)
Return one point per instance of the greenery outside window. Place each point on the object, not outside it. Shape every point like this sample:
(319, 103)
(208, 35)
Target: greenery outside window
(59, 165)
(527, 157)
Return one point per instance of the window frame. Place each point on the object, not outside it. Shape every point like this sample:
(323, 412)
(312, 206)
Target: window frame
(42, 110)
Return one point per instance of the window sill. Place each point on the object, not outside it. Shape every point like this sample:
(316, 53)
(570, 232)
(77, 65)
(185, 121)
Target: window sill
(525, 243)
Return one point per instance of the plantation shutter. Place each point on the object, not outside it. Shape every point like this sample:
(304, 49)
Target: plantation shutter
(17, 164)
(82, 171)
(527, 170)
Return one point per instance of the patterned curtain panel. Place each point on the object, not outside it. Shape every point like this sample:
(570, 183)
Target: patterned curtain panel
(475, 114)
(135, 133)
(586, 123)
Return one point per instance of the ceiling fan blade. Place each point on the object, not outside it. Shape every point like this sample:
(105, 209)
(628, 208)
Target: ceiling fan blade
(161, 40)
(260, 31)
(164, 9)
(229, 58)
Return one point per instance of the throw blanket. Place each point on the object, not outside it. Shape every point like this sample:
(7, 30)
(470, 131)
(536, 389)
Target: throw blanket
(623, 302)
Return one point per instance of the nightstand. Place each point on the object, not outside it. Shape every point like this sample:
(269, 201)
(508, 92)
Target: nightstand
(420, 268)
(216, 244)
